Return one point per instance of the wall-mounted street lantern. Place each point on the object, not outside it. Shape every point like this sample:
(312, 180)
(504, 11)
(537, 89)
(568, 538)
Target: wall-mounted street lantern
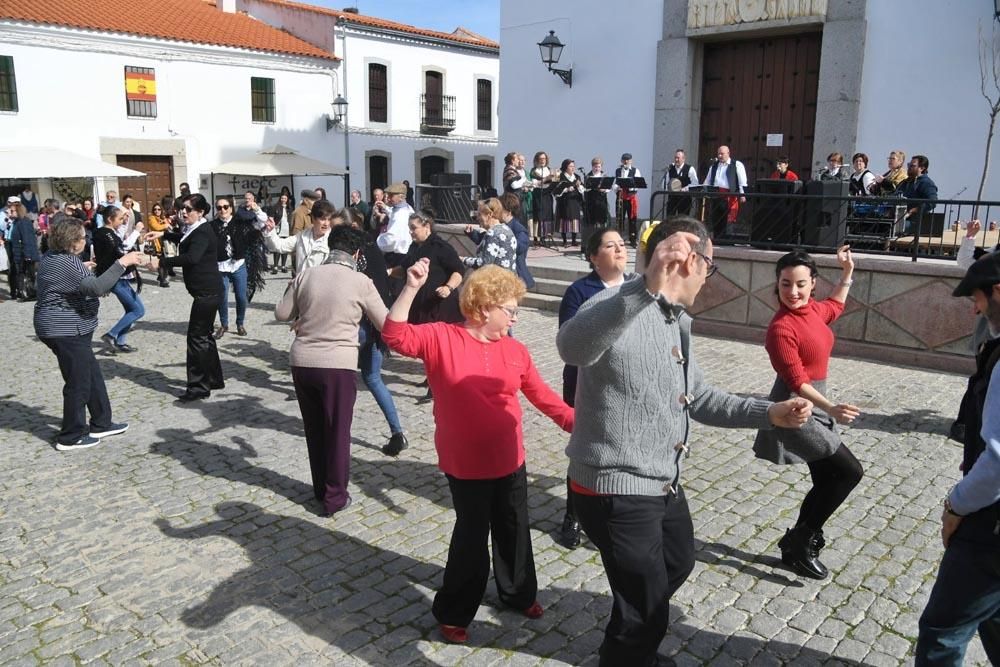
(551, 49)
(339, 113)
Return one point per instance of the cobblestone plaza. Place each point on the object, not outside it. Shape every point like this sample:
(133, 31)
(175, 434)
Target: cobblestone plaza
(194, 537)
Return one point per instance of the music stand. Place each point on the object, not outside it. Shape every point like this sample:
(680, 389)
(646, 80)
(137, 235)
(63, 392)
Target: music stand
(599, 182)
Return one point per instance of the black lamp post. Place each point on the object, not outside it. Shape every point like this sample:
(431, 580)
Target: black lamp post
(551, 49)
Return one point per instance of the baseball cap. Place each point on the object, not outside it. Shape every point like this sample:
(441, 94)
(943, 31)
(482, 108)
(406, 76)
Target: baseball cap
(983, 274)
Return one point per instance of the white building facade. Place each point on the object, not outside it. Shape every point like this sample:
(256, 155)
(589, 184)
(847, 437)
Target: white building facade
(420, 102)
(71, 93)
(767, 77)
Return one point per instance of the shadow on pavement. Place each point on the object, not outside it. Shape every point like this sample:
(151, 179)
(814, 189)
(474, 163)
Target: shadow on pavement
(917, 420)
(16, 416)
(715, 553)
(375, 604)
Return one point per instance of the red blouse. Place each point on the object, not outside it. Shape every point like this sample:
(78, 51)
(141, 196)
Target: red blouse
(799, 341)
(477, 414)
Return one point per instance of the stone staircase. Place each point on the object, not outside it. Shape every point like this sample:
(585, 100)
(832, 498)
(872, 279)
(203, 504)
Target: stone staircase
(550, 285)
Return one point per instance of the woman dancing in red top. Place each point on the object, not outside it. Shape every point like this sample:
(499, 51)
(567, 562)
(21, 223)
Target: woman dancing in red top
(799, 342)
(476, 371)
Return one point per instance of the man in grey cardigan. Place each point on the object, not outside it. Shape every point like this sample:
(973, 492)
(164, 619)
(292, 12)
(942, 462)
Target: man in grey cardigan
(638, 388)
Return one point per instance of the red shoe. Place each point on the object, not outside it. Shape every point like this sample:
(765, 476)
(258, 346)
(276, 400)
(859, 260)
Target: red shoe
(454, 634)
(534, 611)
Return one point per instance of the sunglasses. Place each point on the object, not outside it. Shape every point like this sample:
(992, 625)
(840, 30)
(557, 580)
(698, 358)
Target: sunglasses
(222, 207)
(187, 209)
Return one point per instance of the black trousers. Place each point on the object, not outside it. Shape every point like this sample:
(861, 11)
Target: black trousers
(84, 387)
(647, 547)
(483, 508)
(204, 370)
(833, 480)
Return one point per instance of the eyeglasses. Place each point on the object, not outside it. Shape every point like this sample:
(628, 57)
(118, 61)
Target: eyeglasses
(511, 312)
(187, 209)
(712, 267)
(222, 207)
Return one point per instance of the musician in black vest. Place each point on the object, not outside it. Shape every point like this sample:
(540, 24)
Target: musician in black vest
(628, 198)
(680, 172)
(966, 596)
(198, 257)
(728, 175)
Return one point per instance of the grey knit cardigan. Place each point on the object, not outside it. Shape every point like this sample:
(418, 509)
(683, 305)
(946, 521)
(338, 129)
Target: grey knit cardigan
(636, 395)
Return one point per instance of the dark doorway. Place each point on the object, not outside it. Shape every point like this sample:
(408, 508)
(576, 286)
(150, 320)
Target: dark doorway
(158, 182)
(753, 88)
(378, 172)
(484, 174)
(431, 165)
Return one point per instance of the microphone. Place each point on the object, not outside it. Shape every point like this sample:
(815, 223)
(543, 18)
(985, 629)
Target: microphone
(955, 196)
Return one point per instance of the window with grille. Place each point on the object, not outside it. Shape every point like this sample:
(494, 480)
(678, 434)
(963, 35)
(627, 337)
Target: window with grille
(8, 86)
(262, 99)
(484, 104)
(140, 92)
(378, 93)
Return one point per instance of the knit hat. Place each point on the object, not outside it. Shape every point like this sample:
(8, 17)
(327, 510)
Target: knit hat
(983, 274)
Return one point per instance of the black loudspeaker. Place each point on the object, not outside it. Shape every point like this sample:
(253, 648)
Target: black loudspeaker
(825, 221)
(774, 219)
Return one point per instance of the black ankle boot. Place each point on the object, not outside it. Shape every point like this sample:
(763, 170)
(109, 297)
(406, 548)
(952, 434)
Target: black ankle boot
(569, 534)
(800, 551)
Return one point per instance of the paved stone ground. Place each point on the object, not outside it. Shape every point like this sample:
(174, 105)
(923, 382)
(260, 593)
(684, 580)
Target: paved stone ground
(194, 538)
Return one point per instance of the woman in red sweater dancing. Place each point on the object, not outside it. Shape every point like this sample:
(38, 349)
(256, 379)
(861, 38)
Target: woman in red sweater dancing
(799, 343)
(475, 371)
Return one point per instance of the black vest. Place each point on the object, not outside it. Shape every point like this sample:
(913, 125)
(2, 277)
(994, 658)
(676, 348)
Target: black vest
(729, 173)
(858, 184)
(683, 175)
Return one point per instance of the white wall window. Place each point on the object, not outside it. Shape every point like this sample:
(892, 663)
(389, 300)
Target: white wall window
(262, 99)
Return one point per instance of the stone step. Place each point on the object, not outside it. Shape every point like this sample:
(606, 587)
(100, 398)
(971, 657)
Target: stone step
(545, 302)
(550, 286)
(564, 273)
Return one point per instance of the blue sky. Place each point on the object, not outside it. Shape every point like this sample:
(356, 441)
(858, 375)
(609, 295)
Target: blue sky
(479, 16)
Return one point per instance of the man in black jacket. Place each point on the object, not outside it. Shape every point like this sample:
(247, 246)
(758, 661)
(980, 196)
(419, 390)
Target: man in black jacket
(198, 256)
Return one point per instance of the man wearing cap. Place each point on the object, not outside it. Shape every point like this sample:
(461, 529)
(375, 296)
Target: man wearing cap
(966, 596)
(628, 198)
(301, 216)
(395, 240)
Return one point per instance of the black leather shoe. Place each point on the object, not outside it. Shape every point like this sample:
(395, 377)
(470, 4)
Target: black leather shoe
(569, 534)
(396, 444)
(188, 396)
(800, 551)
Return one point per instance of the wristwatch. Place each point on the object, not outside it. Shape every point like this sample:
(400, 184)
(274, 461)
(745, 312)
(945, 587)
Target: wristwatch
(949, 510)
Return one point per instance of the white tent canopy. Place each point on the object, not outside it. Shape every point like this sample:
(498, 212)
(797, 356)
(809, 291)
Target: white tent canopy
(30, 162)
(278, 161)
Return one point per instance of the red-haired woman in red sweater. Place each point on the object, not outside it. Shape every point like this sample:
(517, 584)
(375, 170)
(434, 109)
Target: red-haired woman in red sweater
(799, 343)
(476, 371)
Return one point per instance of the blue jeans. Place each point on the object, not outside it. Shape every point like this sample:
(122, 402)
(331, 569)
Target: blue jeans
(239, 280)
(966, 596)
(130, 301)
(370, 360)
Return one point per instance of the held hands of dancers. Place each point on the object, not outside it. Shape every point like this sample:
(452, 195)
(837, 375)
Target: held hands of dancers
(416, 275)
(132, 259)
(793, 413)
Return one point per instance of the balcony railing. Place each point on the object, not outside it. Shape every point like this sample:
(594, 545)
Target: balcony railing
(437, 113)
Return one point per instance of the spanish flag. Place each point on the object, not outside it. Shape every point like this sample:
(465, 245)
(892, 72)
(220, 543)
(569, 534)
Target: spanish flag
(140, 87)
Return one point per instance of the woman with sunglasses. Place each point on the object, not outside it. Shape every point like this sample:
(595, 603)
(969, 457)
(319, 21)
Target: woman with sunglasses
(158, 222)
(799, 342)
(476, 371)
(197, 256)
